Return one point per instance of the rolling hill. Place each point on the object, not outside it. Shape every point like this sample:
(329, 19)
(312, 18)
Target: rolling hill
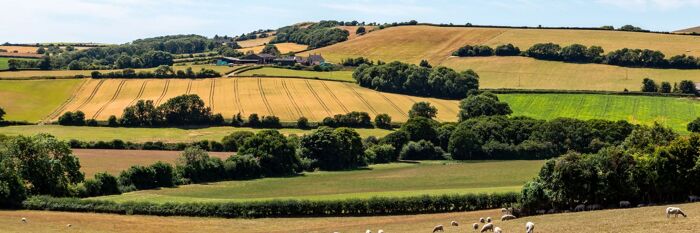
(689, 30)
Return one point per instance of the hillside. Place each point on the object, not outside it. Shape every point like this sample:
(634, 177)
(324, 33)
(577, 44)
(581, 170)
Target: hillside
(414, 43)
(689, 30)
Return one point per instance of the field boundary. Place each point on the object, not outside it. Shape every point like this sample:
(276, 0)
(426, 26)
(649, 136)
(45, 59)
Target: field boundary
(591, 92)
(296, 77)
(114, 97)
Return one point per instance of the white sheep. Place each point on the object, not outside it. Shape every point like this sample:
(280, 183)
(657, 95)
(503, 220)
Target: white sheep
(625, 204)
(675, 211)
(488, 219)
(508, 217)
(481, 220)
(24, 220)
(454, 223)
(529, 227)
(368, 231)
(380, 231)
(497, 230)
(69, 225)
(504, 211)
(487, 227)
(475, 226)
(439, 228)
(693, 198)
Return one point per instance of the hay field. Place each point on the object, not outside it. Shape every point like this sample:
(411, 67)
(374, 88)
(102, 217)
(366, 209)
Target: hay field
(255, 42)
(19, 49)
(637, 220)
(72, 73)
(396, 179)
(33, 100)
(150, 134)
(282, 47)
(279, 72)
(286, 98)
(114, 161)
(414, 43)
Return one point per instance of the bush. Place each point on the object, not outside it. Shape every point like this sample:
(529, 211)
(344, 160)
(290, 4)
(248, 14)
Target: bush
(422, 150)
(195, 165)
(382, 121)
(234, 140)
(112, 121)
(242, 167)
(694, 126)
(254, 120)
(70, 118)
(473, 51)
(485, 104)
(276, 155)
(103, 184)
(138, 177)
(163, 176)
(507, 50)
(303, 123)
(270, 122)
(382, 153)
(91, 122)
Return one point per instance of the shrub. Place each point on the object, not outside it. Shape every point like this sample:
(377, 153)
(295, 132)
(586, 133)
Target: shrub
(163, 174)
(473, 51)
(270, 122)
(91, 122)
(138, 177)
(112, 121)
(277, 156)
(234, 140)
(70, 118)
(382, 153)
(507, 50)
(421, 150)
(303, 123)
(195, 165)
(694, 126)
(485, 104)
(254, 120)
(382, 121)
(242, 167)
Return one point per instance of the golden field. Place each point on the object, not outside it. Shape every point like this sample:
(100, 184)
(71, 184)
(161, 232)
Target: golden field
(282, 47)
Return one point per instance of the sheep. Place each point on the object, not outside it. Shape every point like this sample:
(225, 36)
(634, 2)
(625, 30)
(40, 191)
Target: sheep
(487, 227)
(529, 227)
(475, 226)
(69, 225)
(497, 230)
(380, 231)
(439, 228)
(481, 220)
(594, 207)
(488, 219)
(24, 220)
(368, 231)
(675, 211)
(505, 211)
(541, 211)
(693, 198)
(454, 223)
(580, 208)
(508, 217)
(625, 204)
(552, 211)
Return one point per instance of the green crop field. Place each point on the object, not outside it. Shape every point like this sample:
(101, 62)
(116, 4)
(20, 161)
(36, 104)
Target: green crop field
(673, 112)
(32, 100)
(397, 179)
(279, 72)
(149, 134)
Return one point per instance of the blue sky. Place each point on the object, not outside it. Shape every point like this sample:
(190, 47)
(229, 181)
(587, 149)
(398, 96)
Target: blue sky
(112, 21)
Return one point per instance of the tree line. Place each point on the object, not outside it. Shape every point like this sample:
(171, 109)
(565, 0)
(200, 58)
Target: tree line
(163, 71)
(578, 53)
(410, 79)
(684, 87)
(315, 35)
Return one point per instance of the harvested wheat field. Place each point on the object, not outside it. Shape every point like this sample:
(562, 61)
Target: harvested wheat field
(287, 98)
(638, 220)
(19, 49)
(255, 42)
(282, 47)
(114, 161)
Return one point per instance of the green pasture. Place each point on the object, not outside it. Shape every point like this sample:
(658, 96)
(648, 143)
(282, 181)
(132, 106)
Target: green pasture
(32, 100)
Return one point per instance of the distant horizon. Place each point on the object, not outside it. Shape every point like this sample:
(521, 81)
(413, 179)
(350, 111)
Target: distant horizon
(118, 22)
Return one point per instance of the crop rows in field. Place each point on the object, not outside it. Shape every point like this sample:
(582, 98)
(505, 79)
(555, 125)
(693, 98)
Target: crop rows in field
(286, 98)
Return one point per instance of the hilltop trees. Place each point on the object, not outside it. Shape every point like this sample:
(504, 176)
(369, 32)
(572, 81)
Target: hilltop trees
(474, 51)
(316, 35)
(507, 50)
(361, 30)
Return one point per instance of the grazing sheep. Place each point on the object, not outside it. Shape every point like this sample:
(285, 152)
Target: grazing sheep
(454, 223)
(487, 227)
(439, 228)
(368, 231)
(475, 226)
(380, 231)
(488, 219)
(497, 230)
(594, 207)
(505, 211)
(625, 204)
(481, 220)
(551, 211)
(580, 208)
(508, 217)
(675, 211)
(69, 225)
(529, 227)
(693, 198)
(24, 220)
(541, 211)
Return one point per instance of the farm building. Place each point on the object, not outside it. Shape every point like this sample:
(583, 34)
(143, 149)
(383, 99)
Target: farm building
(263, 58)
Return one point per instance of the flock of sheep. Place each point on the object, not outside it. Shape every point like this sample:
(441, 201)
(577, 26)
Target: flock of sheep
(489, 225)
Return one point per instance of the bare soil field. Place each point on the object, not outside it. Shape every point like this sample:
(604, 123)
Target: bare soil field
(114, 161)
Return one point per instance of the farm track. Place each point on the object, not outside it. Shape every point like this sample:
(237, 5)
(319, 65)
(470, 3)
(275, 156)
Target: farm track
(165, 91)
(237, 96)
(264, 98)
(114, 97)
(211, 94)
(138, 96)
(291, 98)
(320, 101)
(398, 109)
(335, 97)
(92, 95)
(361, 98)
(63, 105)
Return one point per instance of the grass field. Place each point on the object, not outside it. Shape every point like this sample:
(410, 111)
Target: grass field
(71, 73)
(397, 179)
(271, 71)
(282, 47)
(4, 60)
(114, 161)
(283, 97)
(638, 220)
(414, 43)
(32, 100)
(149, 134)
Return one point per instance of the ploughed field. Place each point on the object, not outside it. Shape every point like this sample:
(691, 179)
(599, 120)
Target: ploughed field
(637, 220)
(435, 44)
(384, 180)
(115, 161)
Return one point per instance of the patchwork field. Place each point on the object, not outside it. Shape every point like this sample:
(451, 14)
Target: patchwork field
(414, 43)
(149, 134)
(72, 73)
(397, 179)
(114, 161)
(32, 100)
(286, 98)
(278, 72)
(638, 220)
(282, 47)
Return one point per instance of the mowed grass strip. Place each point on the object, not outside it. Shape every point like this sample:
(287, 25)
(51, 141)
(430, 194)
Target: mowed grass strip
(32, 100)
(385, 180)
(279, 72)
(115, 161)
(637, 220)
(673, 112)
(150, 134)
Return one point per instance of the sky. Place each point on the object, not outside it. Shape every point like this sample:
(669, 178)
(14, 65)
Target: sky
(121, 21)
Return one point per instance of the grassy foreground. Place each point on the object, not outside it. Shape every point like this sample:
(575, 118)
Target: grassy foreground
(32, 100)
(331, 75)
(149, 134)
(385, 180)
(638, 220)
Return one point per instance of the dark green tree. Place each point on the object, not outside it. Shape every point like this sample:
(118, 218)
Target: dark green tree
(185, 110)
(649, 85)
(382, 121)
(485, 104)
(423, 109)
(275, 153)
